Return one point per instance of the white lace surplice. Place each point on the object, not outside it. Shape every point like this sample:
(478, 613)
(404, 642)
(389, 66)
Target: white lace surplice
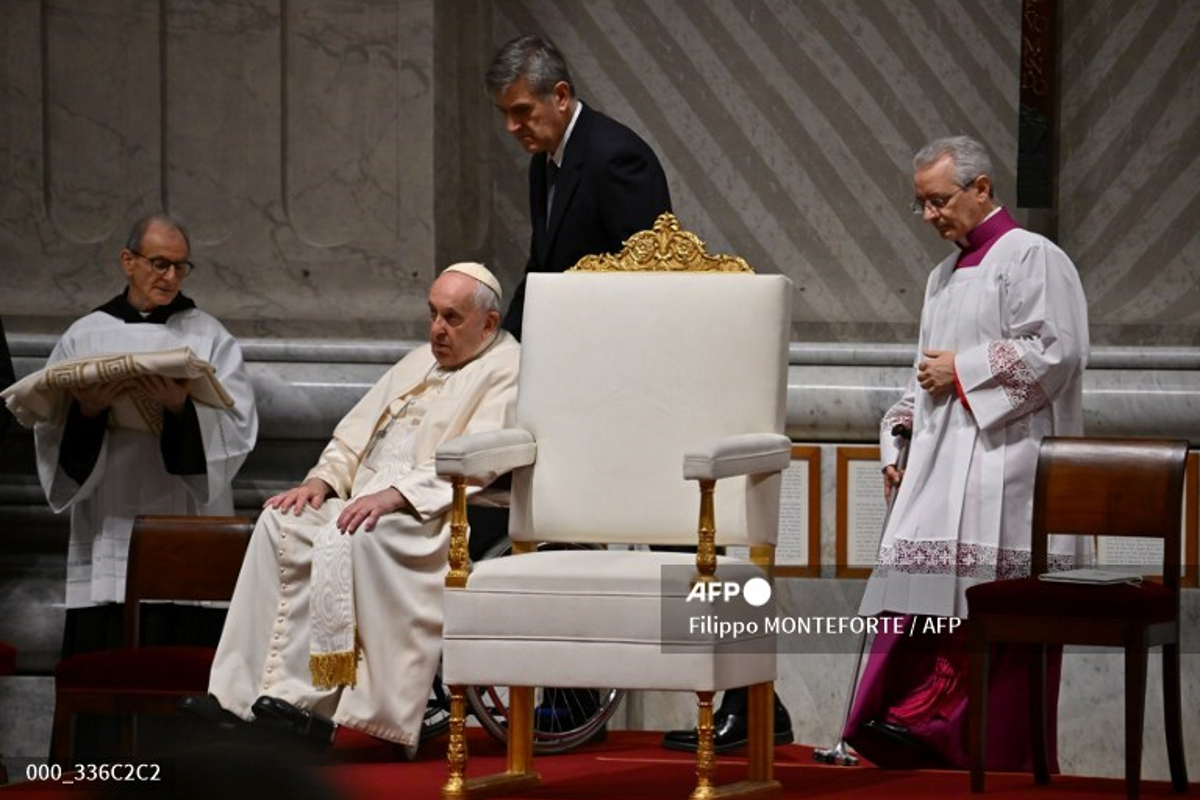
(1018, 325)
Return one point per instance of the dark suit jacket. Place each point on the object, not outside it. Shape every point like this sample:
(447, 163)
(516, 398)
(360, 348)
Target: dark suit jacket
(609, 187)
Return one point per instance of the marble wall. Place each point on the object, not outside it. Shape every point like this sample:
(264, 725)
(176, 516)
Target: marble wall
(328, 156)
(295, 138)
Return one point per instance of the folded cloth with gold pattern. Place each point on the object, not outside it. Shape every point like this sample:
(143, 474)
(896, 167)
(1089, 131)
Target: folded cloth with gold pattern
(44, 396)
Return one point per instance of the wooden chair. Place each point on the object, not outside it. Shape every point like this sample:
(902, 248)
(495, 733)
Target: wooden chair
(1086, 487)
(170, 558)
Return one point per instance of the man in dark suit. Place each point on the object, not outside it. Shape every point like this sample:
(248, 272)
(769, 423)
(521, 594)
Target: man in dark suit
(592, 181)
(592, 184)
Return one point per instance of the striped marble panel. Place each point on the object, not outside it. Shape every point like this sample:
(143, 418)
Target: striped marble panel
(787, 130)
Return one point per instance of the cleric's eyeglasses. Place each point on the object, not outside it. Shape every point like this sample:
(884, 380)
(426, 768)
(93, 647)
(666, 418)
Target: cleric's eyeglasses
(163, 265)
(938, 202)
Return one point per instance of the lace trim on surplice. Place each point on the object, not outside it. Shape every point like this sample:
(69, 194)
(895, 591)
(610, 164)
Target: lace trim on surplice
(978, 561)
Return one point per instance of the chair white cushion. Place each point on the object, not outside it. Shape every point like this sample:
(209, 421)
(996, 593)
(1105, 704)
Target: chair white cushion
(592, 618)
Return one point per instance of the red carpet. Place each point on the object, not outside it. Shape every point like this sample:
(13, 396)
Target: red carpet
(632, 766)
(629, 766)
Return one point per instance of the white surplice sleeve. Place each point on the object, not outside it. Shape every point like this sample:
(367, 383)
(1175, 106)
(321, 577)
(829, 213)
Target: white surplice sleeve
(1045, 342)
(899, 414)
(229, 434)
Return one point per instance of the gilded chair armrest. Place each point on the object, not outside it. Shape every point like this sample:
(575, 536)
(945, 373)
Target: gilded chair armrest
(748, 454)
(487, 453)
(477, 455)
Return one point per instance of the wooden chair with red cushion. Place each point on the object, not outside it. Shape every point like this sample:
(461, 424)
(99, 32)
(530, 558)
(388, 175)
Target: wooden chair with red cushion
(170, 558)
(1092, 487)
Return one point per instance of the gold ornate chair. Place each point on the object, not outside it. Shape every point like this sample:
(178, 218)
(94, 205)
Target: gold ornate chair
(640, 372)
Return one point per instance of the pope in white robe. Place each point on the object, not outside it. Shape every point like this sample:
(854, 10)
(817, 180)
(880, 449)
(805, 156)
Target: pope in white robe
(1002, 350)
(107, 475)
(338, 609)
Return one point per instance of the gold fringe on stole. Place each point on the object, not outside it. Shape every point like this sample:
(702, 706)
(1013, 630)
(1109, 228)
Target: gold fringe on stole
(331, 670)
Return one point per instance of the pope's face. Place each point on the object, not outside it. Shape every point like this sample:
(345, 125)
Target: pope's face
(536, 122)
(954, 210)
(149, 288)
(458, 328)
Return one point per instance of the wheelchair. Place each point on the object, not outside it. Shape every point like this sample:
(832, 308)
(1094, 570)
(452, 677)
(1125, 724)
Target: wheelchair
(563, 718)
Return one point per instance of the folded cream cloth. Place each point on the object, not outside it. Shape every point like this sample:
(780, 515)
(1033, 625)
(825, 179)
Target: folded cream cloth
(44, 397)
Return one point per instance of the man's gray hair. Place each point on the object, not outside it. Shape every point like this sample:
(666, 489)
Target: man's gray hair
(969, 156)
(485, 299)
(137, 233)
(532, 58)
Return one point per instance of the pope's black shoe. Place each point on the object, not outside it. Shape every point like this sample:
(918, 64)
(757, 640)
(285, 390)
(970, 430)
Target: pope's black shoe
(729, 732)
(209, 709)
(311, 729)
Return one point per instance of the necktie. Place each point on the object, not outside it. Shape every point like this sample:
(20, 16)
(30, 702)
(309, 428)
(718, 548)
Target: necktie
(551, 176)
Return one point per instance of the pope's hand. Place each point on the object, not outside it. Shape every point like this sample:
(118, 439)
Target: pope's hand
(367, 510)
(310, 493)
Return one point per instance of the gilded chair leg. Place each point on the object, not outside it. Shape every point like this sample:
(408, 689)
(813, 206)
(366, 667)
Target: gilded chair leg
(518, 777)
(456, 751)
(706, 759)
(520, 729)
(760, 751)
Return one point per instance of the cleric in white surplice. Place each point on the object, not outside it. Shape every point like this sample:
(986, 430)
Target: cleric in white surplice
(1002, 351)
(107, 475)
(338, 610)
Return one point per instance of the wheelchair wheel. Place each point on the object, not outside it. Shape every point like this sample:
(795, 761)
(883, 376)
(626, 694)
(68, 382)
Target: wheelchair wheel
(563, 718)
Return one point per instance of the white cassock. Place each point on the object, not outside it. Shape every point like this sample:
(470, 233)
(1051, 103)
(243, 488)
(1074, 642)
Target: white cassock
(398, 570)
(1017, 323)
(130, 477)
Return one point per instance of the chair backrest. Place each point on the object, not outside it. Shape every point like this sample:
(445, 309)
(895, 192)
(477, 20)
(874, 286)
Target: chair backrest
(182, 558)
(1110, 487)
(621, 374)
